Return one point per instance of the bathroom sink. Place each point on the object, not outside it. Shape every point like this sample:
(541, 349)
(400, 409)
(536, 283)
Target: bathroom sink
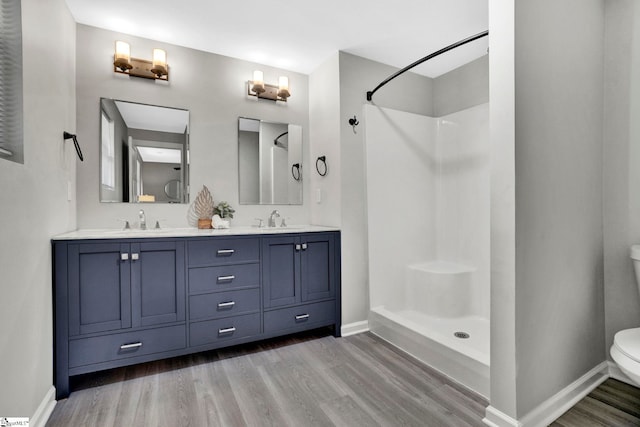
(282, 229)
(133, 232)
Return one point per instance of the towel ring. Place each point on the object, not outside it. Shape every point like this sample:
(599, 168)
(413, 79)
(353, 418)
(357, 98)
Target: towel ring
(322, 159)
(295, 171)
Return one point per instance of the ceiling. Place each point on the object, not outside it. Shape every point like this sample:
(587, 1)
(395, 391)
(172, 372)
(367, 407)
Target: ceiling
(150, 117)
(301, 35)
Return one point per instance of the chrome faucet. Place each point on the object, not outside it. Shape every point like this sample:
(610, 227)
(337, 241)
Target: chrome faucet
(272, 218)
(143, 220)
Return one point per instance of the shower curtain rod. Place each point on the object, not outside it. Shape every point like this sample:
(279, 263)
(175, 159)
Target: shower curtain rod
(426, 58)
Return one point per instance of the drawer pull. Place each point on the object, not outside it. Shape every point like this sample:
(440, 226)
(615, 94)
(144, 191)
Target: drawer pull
(298, 247)
(226, 304)
(124, 257)
(226, 330)
(135, 257)
(225, 278)
(301, 317)
(226, 251)
(130, 346)
(304, 246)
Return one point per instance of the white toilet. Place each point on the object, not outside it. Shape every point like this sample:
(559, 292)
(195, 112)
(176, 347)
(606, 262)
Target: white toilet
(626, 344)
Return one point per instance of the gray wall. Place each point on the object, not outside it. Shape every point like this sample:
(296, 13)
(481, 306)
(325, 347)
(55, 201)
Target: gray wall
(503, 232)
(621, 164)
(558, 175)
(213, 88)
(34, 206)
(462, 88)
(324, 121)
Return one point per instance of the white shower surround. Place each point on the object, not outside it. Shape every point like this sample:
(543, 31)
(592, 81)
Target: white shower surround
(429, 248)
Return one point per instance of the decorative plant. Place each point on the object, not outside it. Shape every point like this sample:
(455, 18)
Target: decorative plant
(203, 204)
(224, 210)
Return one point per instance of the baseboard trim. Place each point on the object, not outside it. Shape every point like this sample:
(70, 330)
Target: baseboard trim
(565, 399)
(42, 414)
(496, 418)
(354, 328)
(616, 373)
(552, 408)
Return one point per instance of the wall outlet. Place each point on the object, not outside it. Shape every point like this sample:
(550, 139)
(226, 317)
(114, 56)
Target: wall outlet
(318, 195)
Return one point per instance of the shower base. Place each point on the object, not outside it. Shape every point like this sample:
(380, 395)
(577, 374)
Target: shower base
(432, 341)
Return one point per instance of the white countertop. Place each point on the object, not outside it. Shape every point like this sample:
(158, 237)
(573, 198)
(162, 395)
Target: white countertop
(187, 232)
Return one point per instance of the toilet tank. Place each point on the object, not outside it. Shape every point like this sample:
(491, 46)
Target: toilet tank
(635, 256)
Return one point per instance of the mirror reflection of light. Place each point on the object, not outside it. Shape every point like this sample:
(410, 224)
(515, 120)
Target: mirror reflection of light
(159, 155)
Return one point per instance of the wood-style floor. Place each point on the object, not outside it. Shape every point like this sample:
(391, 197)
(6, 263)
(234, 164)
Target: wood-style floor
(613, 403)
(302, 380)
(311, 379)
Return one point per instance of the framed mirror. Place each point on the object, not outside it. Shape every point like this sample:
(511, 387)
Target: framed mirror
(269, 162)
(144, 153)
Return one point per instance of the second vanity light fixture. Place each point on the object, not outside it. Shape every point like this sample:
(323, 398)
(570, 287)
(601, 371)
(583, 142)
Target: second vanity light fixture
(156, 69)
(257, 87)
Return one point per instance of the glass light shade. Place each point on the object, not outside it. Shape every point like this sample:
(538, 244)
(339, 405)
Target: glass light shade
(258, 82)
(283, 87)
(159, 62)
(122, 56)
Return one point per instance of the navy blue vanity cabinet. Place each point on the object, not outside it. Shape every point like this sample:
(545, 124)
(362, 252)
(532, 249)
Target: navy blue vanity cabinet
(300, 277)
(122, 285)
(224, 291)
(116, 303)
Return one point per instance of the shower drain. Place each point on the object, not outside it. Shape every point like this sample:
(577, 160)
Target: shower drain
(461, 335)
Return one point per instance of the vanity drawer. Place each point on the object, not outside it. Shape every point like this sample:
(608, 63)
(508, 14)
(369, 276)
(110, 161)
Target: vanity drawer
(87, 351)
(223, 278)
(224, 304)
(301, 317)
(227, 329)
(223, 251)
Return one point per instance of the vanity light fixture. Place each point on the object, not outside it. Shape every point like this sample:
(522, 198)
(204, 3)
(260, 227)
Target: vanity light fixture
(283, 87)
(156, 69)
(257, 87)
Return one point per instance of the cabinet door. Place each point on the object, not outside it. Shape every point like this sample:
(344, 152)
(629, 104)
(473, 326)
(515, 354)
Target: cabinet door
(281, 271)
(99, 287)
(157, 282)
(318, 276)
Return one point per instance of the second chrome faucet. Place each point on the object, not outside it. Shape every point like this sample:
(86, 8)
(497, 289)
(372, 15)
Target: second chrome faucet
(272, 218)
(143, 220)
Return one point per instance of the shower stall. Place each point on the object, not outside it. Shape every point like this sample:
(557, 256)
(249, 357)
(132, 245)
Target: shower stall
(428, 231)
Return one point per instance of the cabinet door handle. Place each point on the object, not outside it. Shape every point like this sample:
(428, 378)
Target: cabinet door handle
(124, 257)
(226, 278)
(298, 247)
(129, 346)
(226, 304)
(226, 251)
(226, 330)
(135, 257)
(302, 317)
(304, 246)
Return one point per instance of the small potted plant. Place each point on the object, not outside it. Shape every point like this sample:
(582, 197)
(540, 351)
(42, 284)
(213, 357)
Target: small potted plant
(224, 210)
